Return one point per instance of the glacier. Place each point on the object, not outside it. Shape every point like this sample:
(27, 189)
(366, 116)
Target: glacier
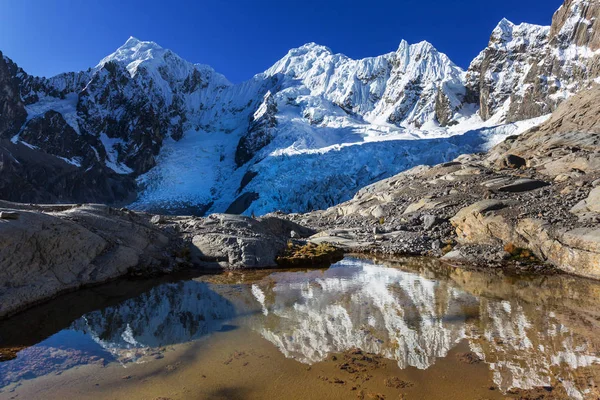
(340, 124)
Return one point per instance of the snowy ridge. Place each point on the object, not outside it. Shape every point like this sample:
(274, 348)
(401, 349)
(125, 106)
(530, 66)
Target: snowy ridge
(528, 70)
(375, 88)
(317, 126)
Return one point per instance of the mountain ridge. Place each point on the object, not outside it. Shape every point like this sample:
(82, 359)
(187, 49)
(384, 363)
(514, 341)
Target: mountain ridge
(142, 111)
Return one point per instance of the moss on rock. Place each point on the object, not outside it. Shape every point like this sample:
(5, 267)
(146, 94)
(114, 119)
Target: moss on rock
(310, 254)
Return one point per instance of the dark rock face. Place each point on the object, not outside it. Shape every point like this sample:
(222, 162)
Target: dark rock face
(242, 203)
(12, 108)
(29, 175)
(55, 136)
(123, 108)
(246, 179)
(259, 133)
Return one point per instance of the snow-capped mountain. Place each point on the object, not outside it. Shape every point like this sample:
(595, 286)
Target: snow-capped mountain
(307, 133)
(527, 70)
(400, 88)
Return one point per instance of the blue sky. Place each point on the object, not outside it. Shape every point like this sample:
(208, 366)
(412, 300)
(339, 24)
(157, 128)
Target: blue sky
(240, 38)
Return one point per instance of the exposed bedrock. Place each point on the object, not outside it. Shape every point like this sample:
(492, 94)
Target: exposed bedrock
(49, 249)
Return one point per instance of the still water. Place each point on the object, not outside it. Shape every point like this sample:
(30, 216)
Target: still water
(361, 329)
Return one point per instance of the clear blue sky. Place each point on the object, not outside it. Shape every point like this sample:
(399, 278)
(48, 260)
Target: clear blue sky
(240, 38)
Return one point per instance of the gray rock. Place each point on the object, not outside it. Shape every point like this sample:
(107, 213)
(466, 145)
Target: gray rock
(523, 185)
(44, 254)
(429, 221)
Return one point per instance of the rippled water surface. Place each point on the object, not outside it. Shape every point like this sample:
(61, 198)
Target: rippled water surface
(407, 329)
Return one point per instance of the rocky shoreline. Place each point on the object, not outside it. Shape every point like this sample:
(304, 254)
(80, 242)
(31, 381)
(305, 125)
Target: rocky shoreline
(532, 203)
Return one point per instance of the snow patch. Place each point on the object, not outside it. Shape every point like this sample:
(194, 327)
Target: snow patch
(67, 107)
(112, 154)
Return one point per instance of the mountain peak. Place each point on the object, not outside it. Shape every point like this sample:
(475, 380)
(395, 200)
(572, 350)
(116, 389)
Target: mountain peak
(133, 52)
(132, 41)
(503, 28)
(311, 47)
(425, 45)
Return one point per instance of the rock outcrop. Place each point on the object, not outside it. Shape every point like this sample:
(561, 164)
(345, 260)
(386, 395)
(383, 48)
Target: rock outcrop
(46, 250)
(49, 249)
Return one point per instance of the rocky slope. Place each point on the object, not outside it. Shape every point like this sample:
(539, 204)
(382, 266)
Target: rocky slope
(193, 142)
(538, 191)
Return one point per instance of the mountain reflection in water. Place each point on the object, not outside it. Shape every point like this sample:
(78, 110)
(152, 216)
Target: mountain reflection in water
(531, 332)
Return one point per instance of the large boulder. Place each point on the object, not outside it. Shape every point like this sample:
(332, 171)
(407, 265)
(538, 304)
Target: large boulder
(478, 223)
(235, 242)
(48, 250)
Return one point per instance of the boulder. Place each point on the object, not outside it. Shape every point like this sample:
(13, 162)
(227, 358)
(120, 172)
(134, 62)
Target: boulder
(590, 204)
(511, 161)
(523, 185)
(237, 251)
(43, 254)
(478, 223)
(236, 242)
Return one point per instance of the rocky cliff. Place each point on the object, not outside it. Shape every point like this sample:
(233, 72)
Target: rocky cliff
(528, 70)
